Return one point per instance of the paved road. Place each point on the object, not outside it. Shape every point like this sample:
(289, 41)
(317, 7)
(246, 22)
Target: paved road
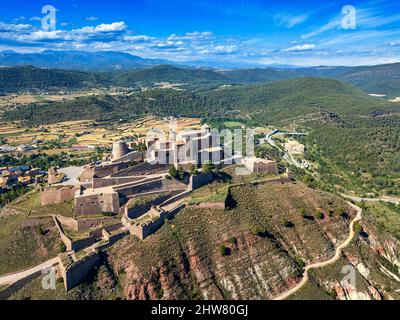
(335, 258)
(17, 276)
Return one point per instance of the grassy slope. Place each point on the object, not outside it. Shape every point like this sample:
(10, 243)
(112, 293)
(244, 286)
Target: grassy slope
(201, 232)
(23, 245)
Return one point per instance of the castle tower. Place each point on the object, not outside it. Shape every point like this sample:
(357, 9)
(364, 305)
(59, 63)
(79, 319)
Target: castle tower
(52, 176)
(120, 149)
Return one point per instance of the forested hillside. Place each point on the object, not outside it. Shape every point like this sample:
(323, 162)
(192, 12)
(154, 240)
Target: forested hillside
(382, 79)
(263, 104)
(15, 79)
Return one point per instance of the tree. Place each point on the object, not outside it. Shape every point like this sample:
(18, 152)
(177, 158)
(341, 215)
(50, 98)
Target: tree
(207, 167)
(173, 172)
(193, 170)
(181, 172)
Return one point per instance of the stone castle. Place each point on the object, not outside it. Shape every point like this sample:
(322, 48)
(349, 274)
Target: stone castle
(132, 192)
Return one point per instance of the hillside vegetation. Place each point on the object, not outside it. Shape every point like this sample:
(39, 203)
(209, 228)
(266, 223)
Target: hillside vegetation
(14, 79)
(262, 103)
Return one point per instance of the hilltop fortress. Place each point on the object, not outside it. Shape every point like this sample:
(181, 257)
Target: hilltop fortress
(133, 192)
(136, 185)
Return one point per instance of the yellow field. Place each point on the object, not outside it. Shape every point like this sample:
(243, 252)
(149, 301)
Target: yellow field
(13, 99)
(85, 133)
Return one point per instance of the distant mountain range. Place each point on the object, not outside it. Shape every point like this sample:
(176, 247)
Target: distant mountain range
(121, 69)
(79, 60)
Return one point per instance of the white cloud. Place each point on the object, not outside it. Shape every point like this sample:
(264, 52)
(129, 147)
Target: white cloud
(113, 27)
(92, 19)
(304, 47)
(290, 21)
(138, 38)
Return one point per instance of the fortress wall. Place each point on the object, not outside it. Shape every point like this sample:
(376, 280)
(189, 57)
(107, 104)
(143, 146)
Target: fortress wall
(110, 228)
(143, 231)
(87, 174)
(101, 171)
(140, 210)
(81, 244)
(137, 156)
(71, 223)
(75, 273)
(107, 182)
(200, 180)
(52, 195)
(87, 205)
(82, 224)
(176, 197)
(96, 204)
(69, 243)
(143, 188)
(109, 202)
(64, 238)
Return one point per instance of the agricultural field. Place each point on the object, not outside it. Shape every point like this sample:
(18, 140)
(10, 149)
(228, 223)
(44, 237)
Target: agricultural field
(28, 98)
(66, 134)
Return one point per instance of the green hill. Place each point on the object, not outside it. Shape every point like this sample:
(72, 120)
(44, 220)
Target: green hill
(14, 79)
(382, 79)
(263, 104)
(166, 73)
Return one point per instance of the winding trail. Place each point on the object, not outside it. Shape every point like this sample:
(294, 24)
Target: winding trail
(334, 259)
(20, 275)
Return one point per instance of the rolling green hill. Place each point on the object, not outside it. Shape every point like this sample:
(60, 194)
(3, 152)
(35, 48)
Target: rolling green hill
(14, 79)
(383, 79)
(166, 73)
(262, 104)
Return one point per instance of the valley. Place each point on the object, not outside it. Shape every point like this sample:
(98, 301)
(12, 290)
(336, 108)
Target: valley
(286, 233)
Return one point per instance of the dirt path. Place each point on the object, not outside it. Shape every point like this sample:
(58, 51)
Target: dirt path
(394, 200)
(20, 275)
(334, 259)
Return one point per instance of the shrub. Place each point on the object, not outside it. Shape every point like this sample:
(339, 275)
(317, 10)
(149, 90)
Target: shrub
(258, 231)
(160, 294)
(233, 240)
(173, 172)
(358, 228)
(40, 231)
(108, 214)
(300, 264)
(224, 251)
(63, 248)
(193, 170)
(320, 215)
(207, 167)
(303, 213)
(181, 173)
(286, 223)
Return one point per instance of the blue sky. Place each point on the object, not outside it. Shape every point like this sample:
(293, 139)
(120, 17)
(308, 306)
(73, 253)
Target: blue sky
(252, 32)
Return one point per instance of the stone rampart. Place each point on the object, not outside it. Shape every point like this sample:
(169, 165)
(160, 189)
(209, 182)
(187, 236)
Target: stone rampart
(56, 195)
